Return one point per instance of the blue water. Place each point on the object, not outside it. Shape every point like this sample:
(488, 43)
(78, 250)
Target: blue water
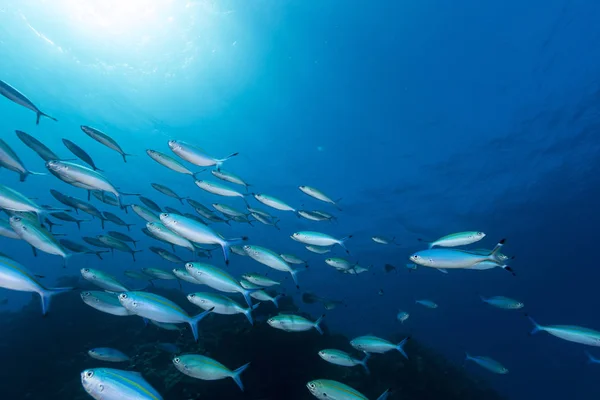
(427, 118)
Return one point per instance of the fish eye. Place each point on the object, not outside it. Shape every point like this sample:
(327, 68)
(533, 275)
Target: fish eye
(89, 374)
(86, 270)
(176, 360)
(86, 294)
(122, 296)
(312, 385)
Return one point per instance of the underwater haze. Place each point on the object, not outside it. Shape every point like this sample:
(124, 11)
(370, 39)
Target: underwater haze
(408, 121)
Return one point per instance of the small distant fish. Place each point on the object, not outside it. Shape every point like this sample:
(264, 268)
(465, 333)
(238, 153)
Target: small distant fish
(196, 155)
(170, 162)
(116, 220)
(311, 215)
(374, 344)
(317, 194)
(272, 260)
(157, 273)
(295, 323)
(318, 249)
(150, 204)
(273, 202)
(80, 153)
(457, 239)
(384, 240)
(63, 216)
(123, 237)
(380, 292)
(118, 245)
(487, 363)
(402, 316)
(389, 268)
(319, 239)
(228, 211)
(108, 354)
(41, 149)
(167, 255)
(259, 279)
(138, 275)
(220, 304)
(592, 359)
(167, 191)
(11, 161)
(339, 357)
(218, 279)
(292, 259)
(168, 347)
(450, 258)
(79, 248)
(503, 302)
(218, 189)
(114, 384)
(19, 98)
(202, 367)
(104, 139)
(325, 389)
(229, 177)
(427, 303)
(571, 333)
(260, 294)
(145, 213)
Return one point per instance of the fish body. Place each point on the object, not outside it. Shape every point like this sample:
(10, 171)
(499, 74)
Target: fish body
(196, 155)
(122, 237)
(218, 189)
(103, 280)
(311, 215)
(19, 98)
(427, 303)
(292, 259)
(167, 191)
(108, 354)
(259, 279)
(14, 276)
(117, 245)
(270, 259)
(159, 274)
(41, 149)
(217, 279)
(273, 202)
(7, 231)
(167, 255)
(458, 239)
(11, 161)
(503, 302)
(116, 220)
(169, 162)
(228, 211)
(63, 216)
(138, 275)
(374, 344)
(319, 239)
(339, 357)
(162, 232)
(106, 302)
(260, 294)
(451, 258)
(205, 368)
(114, 384)
(571, 333)
(487, 363)
(402, 316)
(104, 139)
(38, 237)
(12, 200)
(325, 389)
(145, 213)
(318, 249)
(295, 323)
(229, 177)
(340, 264)
(220, 304)
(184, 276)
(317, 194)
(382, 239)
(79, 248)
(80, 153)
(160, 309)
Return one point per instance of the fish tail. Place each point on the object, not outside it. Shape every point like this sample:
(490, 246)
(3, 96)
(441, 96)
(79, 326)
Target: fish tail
(46, 296)
(196, 173)
(133, 253)
(247, 293)
(509, 269)
(42, 114)
(219, 162)
(364, 363)
(275, 299)
(342, 242)
(318, 324)
(125, 155)
(591, 358)
(196, 319)
(400, 347)
(235, 375)
(496, 249)
(536, 327)
(248, 313)
(294, 273)
(129, 229)
(427, 242)
(384, 395)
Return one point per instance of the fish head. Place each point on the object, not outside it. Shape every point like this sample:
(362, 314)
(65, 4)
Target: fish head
(92, 383)
(89, 298)
(168, 219)
(128, 301)
(479, 235)
(251, 250)
(92, 352)
(274, 322)
(316, 388)
(15, 221)
(296, 236)
(518, 305)
(57, 166)
(420, 259)
(88, 274)
(174, 145)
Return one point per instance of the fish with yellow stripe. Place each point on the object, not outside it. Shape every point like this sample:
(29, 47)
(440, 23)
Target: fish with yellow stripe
(115, 384)
(205, 368)
(326, 389)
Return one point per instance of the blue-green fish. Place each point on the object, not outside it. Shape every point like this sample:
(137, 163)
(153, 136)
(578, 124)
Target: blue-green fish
(19, 98)
(295, 323)
(170, 162)
(503, 302)
(108, 354)
(11, 161)
(219, 189)
(271, 259)
(38, 237)
(145, 213)
(317, 194)
(457, 239)
(450, 258)
(103, 280)
(570, 333)
(115, 384)
(104, 139)
(205, 368)
(260, 294)
(160, 309)
(487, 363)
(319, 239)
(218, 279)
(325, 389)
(273, 202)
(14, 276)
(106, 302)
(402, 316)
(374, 344)
(229, 177)
(427, 303)
(196, 155)
(344, 359)
(220, 304)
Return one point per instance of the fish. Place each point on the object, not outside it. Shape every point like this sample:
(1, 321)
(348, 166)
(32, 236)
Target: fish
(339, 357)
(63, 216)
(292, 259)
(12, 200)
(402, 316)
(96, 242)
(171, 163)
(82, 177)
(104, 139)
(311, 215)
(571, 333)
(167, 255)
(122, 237)
(259, 279)
(317, 194)
(357, 269)
(172, 210)
(196, 155)
(503, 302)
(592, 359)
(260, 294)
(450, 258)
(160, 309)
(183, 275)
(19, 98)
(340, 264)
(227, 210)
(487, 363)
(14, 276)
(205, 368)
(457, 239)
(374, 344)
(90, 209)
(218, 189)
(273, 202)
(220, 304)
(295, 323)
(117, 245)
(105, 302)
(108, 354)
(167, 191)
(7, 231)
(319, 239)
(103, 280)
(162, 232)
(38, 237)
(114, 384)
(11, 161)
(150, 204)
(266, 221)
(229, 177)
(68, 201)
(145, 213)
(384, 240)
(197, 233)
(318, 249)
(79, 248)
(427, 303)
(80, 153)
(239, 250)
(116, 220)
(325, 389)
(218, 279)
(271, 259)
(157, 273)
(166, 326)
(41, 149)
(138, 275)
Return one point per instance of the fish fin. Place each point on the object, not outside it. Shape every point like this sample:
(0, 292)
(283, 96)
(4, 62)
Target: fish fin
(342, 242)
(219, 162)
(46, 296)
(428, 243)
(248, 313)
(235, 375)
(536, 327)
(42, 114)
(591, 358)
(126, 155)
(34, 251)
(196, 319)
(400, 347)
(133, 254)
(509, 269)
(247, 293)
(496, 249)
(98, 254)
(275, 299)
(318, 324)
(384, 395)
(196, 173)
(364, 363)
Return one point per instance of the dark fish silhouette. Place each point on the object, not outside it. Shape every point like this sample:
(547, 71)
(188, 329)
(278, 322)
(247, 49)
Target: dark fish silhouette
(14, 95)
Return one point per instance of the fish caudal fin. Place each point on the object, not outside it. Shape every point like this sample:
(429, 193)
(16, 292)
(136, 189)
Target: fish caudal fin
(400, 348)
(196, 173)
(125, 155)
(591, 358)
(275, 299)
(342, 242)
(41, 114)
(364, 363)
(318, 324)
(46, 296)
(248, 313)
(536, 327)
(247, 293)
(195, 320)
(235, 375)
(496, 249)
(384, 395)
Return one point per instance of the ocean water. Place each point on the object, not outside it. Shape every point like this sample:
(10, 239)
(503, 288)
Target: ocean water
(425, 118)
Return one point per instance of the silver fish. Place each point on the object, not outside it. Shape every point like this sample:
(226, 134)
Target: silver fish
(41, 149)
(196, 155)
(167, 191)
(80, 153)
(15, 96)
(11, 161)
(170, 162)
(104, 139)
